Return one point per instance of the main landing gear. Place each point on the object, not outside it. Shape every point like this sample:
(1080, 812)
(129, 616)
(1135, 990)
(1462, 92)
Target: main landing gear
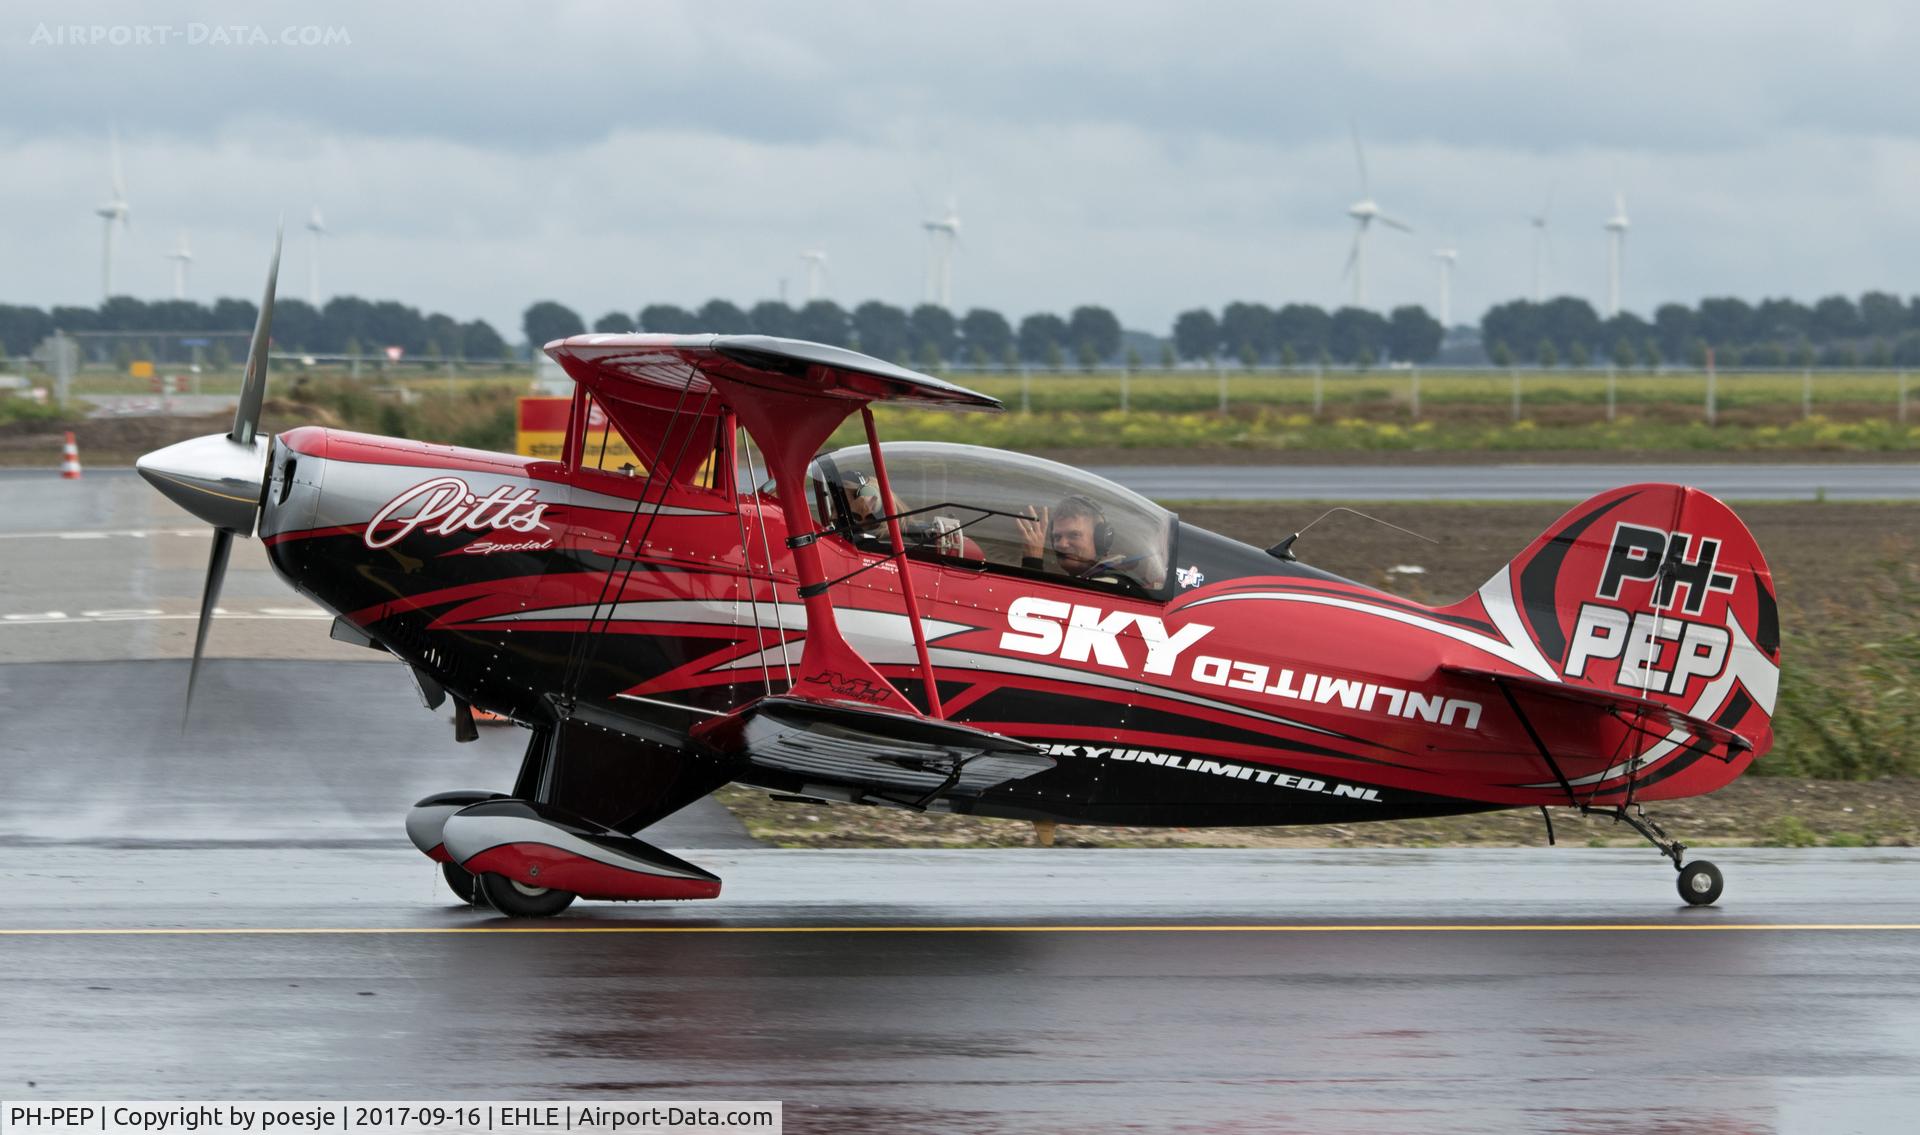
(518, 900)
(510, 897)
(1700, 882)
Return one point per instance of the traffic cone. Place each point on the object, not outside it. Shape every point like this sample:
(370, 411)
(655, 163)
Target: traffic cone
(70, 460)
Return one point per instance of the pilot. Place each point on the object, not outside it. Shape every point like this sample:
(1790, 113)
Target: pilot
(1077, 531)
(865, 518)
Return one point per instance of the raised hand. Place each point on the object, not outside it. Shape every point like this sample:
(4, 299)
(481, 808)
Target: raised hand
(1033, 532)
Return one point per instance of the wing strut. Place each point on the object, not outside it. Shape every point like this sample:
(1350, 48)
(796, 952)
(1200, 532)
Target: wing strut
(906, 567)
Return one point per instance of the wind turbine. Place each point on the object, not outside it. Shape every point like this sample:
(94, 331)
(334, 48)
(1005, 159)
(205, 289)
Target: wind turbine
(1616, 247)
(1364, 212)
(1446, 257)
(816, 261)
(1542, 243)
(943, 236)
(181, 257)
(316, 228)
(112, 212)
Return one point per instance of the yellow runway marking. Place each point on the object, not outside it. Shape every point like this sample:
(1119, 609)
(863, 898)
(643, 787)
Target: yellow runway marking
(1278, 928)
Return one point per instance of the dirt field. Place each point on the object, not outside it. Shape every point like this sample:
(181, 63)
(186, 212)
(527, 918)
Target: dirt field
(1753, 810)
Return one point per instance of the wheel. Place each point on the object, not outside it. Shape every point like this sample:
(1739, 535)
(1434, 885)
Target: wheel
(517, 900)
(1700, 883)
(459, 881)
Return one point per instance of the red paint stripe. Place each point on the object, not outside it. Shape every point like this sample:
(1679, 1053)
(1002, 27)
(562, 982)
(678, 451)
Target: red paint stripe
(565, 871)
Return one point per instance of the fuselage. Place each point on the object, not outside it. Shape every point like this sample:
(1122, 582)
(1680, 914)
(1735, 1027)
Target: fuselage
(1245, 690)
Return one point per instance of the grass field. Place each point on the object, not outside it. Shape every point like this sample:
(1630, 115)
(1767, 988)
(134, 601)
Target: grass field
(1410, 410)
(1335, 391)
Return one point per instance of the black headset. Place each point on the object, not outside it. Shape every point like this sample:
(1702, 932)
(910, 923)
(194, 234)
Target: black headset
(1102, 530)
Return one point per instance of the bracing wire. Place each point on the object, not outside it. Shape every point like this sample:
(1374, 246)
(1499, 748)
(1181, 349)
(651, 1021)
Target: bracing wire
(581, 654)
(766, 546)
(753, 596)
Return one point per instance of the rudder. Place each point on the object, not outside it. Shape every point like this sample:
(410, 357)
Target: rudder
(1654, 590)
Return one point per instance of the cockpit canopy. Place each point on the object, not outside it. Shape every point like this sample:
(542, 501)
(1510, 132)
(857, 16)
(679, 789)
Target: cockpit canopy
(995, 509)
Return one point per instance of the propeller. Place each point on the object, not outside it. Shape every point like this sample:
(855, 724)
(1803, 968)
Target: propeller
(221, 478)
(1360, 159)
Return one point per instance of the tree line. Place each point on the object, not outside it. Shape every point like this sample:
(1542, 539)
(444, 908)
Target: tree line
(1255, 334)
(343, 325)
(1877, 330)
(927, 334)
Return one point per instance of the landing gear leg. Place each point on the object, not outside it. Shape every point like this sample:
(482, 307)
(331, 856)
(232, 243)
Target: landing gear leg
(1700, 882)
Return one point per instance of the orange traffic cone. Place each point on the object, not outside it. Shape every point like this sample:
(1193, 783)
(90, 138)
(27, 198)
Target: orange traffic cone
(70, 460)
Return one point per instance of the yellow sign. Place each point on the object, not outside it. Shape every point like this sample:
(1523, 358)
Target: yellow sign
(141, 368)
(541, 431)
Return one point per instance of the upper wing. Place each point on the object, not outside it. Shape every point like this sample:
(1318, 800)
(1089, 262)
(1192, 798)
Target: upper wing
(789, 396)
(675, 363)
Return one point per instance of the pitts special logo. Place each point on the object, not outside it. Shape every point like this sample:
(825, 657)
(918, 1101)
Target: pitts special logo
(445, 506)
(1090, 634)
(1683, 571)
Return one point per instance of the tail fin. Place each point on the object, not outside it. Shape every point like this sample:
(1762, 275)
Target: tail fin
(1657, 591)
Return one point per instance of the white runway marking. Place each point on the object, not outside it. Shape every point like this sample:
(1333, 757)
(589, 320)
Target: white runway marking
(106, 533)
(152, 614)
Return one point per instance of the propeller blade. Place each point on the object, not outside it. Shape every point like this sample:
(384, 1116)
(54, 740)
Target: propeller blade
(1392, 224)
(1353, 256)
(119, 179)
(1360, 159)
(209, 599)
(253, 391)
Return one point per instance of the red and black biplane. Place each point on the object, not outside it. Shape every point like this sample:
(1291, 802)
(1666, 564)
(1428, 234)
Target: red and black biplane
(955, 628)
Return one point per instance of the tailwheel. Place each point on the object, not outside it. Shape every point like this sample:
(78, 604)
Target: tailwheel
(1700, 883)
(517, 900)
(459, 881)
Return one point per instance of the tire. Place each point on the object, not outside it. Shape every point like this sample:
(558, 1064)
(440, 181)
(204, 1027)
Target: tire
(459, 881)
(517, 901)
(1700, 883)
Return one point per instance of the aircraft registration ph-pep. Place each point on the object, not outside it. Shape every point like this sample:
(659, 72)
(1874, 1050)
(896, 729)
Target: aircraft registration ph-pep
(948, 627)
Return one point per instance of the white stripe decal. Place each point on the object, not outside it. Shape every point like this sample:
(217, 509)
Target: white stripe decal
(1496, 595)
(883, 638)
(1528, 660)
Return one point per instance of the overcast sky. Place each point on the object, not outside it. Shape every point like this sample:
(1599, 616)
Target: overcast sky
(473, 157)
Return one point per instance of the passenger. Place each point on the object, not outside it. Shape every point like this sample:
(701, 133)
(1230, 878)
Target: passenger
(863, 502)
(866, 519)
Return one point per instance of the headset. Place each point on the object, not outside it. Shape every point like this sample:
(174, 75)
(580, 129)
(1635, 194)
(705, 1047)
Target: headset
(1102, 529)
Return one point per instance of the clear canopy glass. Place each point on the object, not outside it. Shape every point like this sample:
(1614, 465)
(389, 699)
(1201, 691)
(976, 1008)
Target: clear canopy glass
(993, 508)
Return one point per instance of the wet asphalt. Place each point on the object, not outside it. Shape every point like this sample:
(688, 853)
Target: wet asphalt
(235, 912)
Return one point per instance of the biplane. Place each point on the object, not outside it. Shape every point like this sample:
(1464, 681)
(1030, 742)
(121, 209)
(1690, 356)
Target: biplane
(953, 628)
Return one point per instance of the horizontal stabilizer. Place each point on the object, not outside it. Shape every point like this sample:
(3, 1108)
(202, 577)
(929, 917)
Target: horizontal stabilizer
(873, 749)
(1655, 716)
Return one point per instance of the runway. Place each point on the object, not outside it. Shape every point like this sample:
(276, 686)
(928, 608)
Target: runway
(1501, 482)
(1493, 481)
(988, 991)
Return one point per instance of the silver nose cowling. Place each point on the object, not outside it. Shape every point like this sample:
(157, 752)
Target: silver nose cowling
(214, 477)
